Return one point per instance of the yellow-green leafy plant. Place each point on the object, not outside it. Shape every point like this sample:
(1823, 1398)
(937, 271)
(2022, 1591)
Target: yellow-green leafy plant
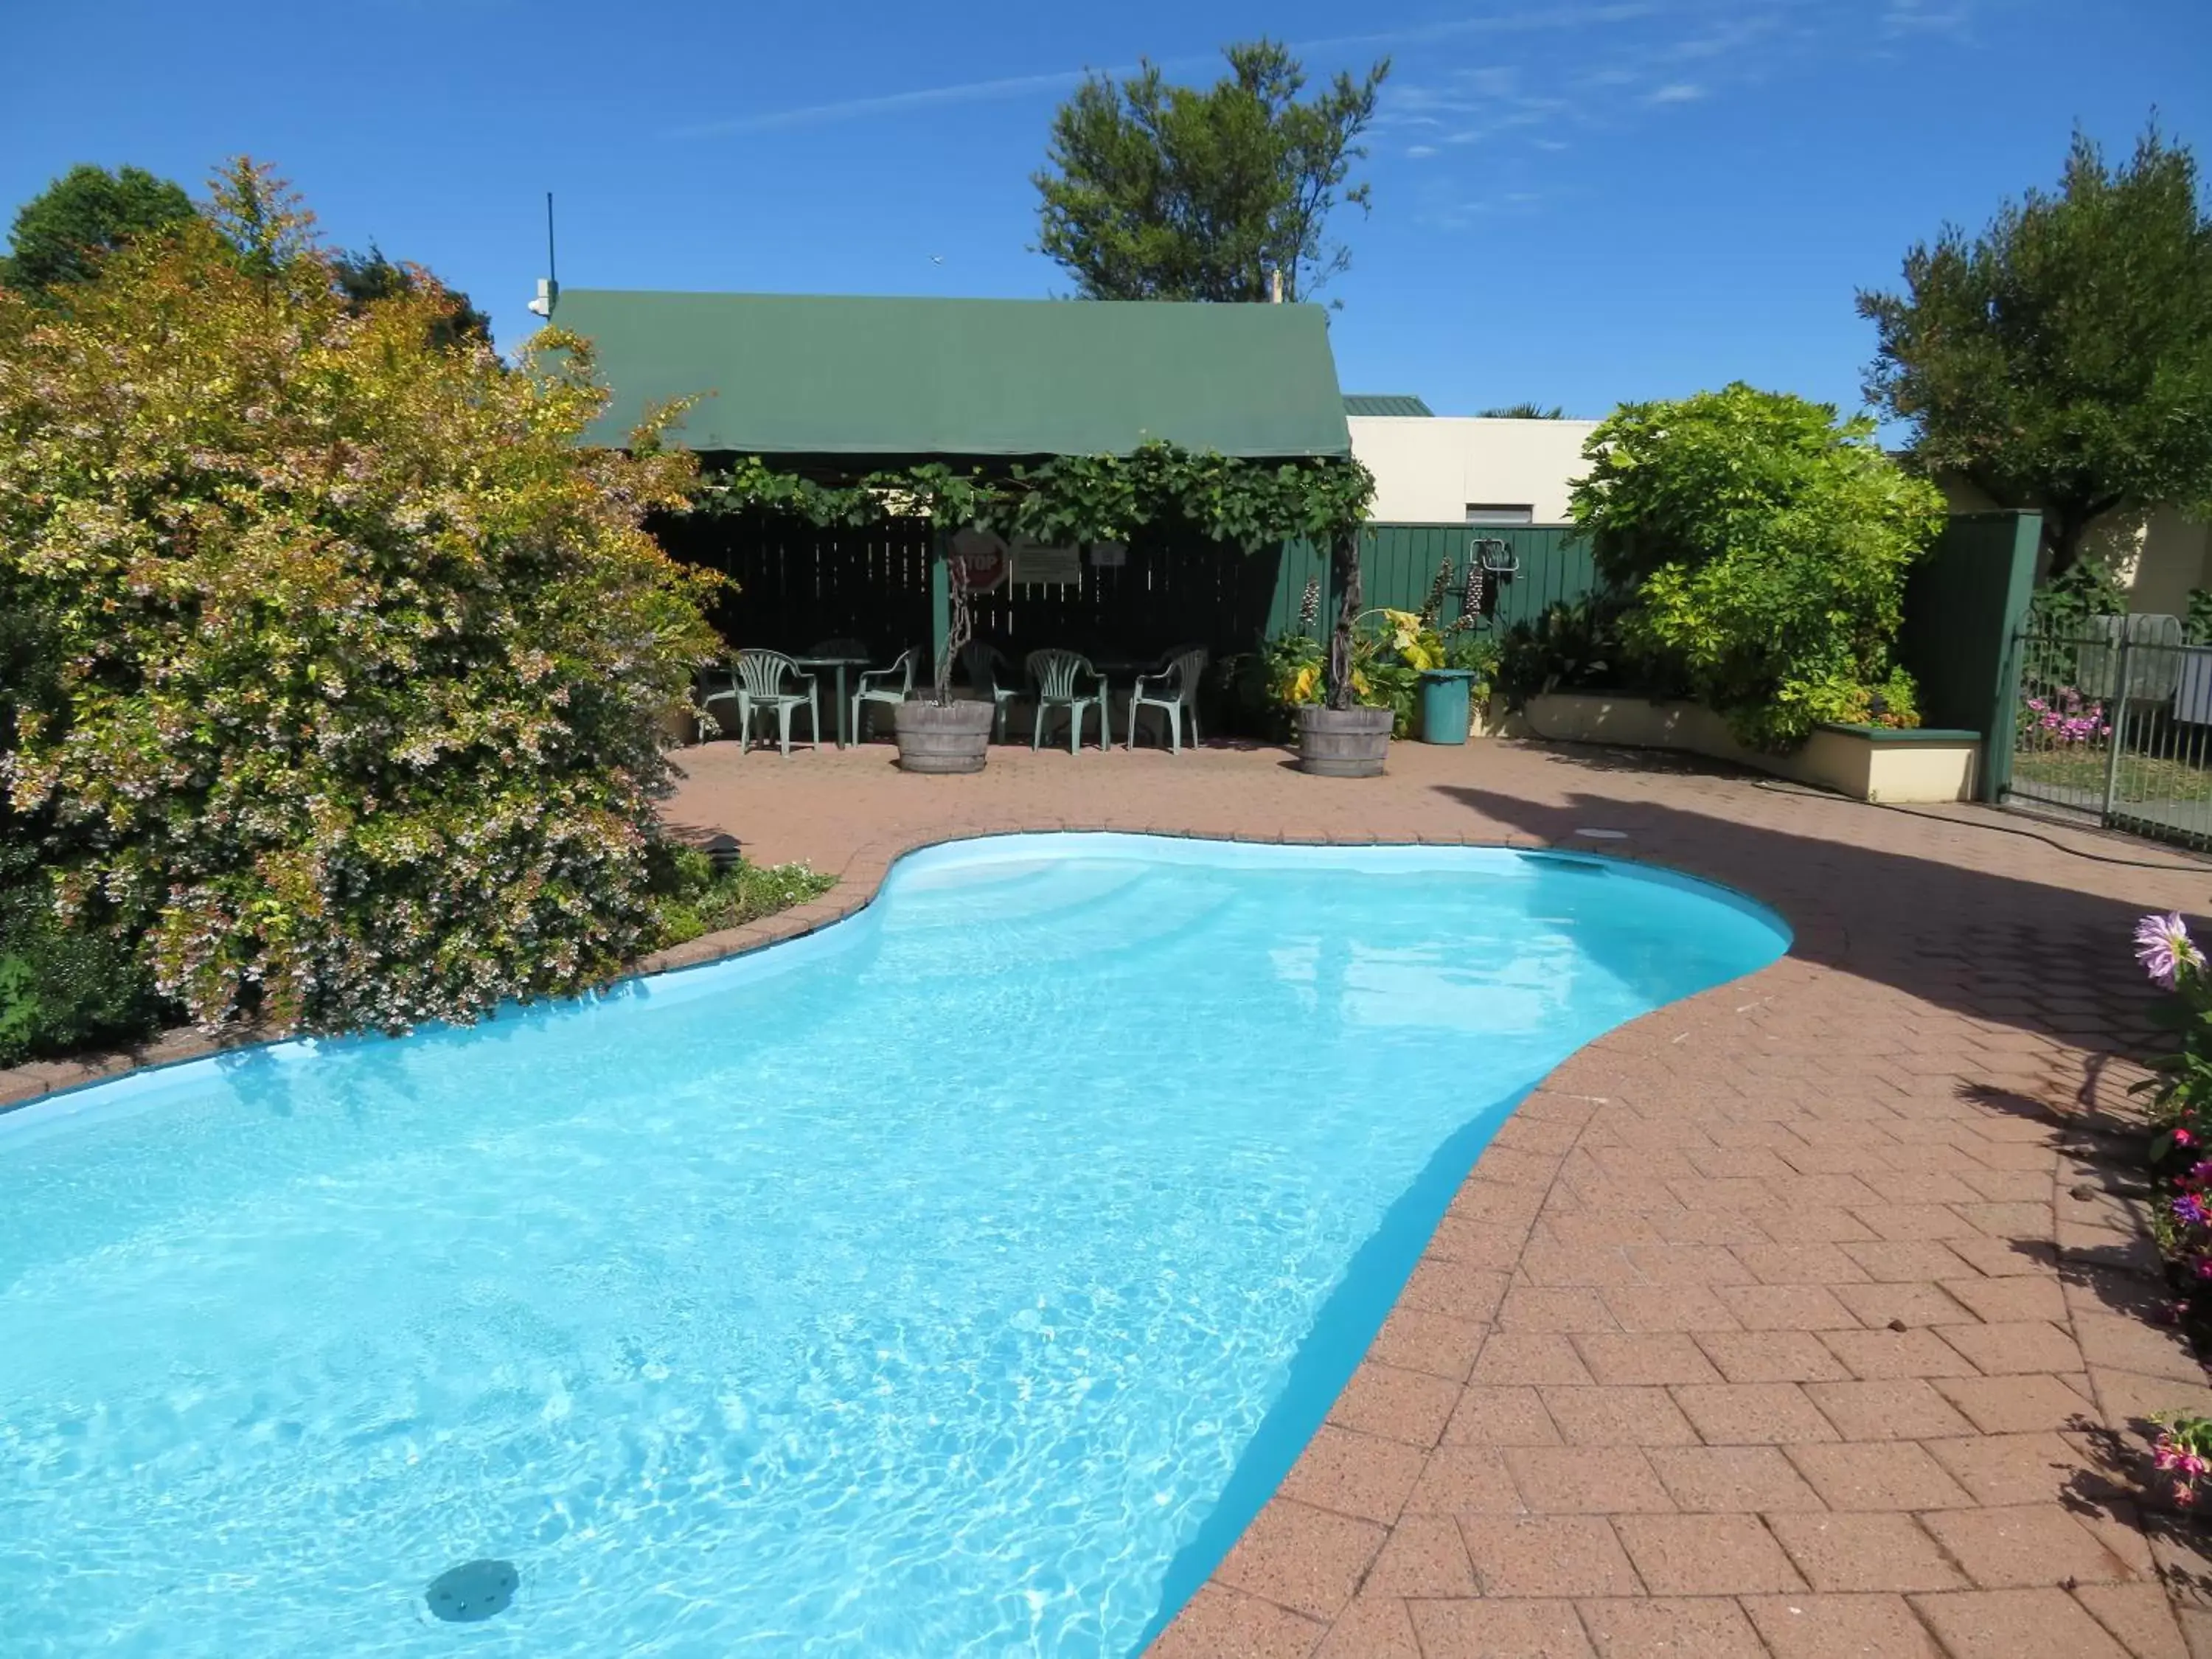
(1761, 544)
(1389, 651)
(353, 655)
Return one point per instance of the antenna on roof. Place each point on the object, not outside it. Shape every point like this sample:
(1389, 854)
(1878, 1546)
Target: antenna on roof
(548, 286)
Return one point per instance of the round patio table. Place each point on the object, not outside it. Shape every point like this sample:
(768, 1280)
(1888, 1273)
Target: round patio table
(844, 708)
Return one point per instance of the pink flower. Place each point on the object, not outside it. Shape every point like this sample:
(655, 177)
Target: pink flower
(2164, 948)
(2183, 1138)
(2182, 1493)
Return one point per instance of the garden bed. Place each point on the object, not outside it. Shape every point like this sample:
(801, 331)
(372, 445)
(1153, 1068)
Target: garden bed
(1867, 762)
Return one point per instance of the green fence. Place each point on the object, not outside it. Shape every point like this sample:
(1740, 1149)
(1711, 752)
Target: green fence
(1398, 563)
(793, 583)
(1964, 604)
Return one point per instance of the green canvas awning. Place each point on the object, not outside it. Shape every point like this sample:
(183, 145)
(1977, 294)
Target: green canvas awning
(828, 375)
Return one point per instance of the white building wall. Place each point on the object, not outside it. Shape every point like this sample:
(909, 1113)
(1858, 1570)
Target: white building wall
(1430, 469)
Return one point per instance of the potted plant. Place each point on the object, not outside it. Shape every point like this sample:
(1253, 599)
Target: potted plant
(1450, 665)
(1343, 737)
(941, 733)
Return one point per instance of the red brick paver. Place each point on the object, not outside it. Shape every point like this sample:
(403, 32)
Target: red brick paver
(1804, 1317)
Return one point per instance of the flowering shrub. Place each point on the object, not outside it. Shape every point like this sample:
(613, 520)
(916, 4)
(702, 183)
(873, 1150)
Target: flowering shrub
(2167, 952)
(2063, 717)
(61, 989)
(2181, 1168)
(354, 657)
(2184, 1451)
(2181, 1095)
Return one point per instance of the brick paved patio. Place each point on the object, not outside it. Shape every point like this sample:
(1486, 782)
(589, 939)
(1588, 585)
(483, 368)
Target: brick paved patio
(1805, 1317)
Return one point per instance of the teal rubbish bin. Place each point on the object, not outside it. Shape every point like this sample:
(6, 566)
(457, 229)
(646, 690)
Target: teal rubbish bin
(1443, 704)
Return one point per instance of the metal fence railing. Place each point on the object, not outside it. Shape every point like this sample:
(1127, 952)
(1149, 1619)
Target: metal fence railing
(2113, 720)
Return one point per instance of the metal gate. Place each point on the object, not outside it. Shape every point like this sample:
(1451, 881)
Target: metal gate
(2112, 721)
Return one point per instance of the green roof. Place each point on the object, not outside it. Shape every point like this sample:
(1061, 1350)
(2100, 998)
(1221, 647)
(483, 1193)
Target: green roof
(825, 375)
(1384, 402)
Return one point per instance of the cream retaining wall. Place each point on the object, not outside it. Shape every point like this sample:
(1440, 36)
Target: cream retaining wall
(1891, 766)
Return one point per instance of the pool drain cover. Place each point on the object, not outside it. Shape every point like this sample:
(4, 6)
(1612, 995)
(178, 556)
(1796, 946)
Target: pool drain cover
(473, 1591)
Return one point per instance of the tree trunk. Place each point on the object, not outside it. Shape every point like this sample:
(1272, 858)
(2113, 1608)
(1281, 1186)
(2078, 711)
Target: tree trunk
(2062, 532)
(2066, 528)
(1344, 554)
(960, 629)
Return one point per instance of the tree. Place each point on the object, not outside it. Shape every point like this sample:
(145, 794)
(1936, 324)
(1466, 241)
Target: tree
(1160, 192)
(2062, 359)
(1762, 547)
(362, 277)
(352, 656)
(1525, 411)
(61, 235)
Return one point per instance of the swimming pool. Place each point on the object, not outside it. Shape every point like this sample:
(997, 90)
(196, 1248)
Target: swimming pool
(956, 1280)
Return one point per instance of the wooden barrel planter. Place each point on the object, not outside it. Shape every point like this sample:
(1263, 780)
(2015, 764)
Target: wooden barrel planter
(1343, 743)
(943, 738)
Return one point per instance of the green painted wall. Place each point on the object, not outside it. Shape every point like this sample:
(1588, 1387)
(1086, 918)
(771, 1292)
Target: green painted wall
(1398, 562)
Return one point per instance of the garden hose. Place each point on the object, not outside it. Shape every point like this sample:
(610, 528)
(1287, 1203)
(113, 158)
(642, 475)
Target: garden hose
(2199, 868)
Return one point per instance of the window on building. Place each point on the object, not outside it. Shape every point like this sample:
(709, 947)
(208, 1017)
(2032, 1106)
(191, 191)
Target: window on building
(1496, 512)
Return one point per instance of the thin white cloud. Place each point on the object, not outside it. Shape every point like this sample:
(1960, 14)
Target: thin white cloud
(1542, 19)
(1418, 151)
(852, 109)
(1904, 17)
(1520, 98)
(1733, 36)
(1729, 39)
(1019, 86)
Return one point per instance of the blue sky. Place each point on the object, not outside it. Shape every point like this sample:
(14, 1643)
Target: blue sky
(1575, 202)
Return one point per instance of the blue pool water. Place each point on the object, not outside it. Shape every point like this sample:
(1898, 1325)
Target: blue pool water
(955, 1282)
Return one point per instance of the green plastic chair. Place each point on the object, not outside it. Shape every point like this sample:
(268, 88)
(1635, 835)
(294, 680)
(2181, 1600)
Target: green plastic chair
(759, 686)
(1174, 691)
(1057, 676)
(889, 685)
(981, 661)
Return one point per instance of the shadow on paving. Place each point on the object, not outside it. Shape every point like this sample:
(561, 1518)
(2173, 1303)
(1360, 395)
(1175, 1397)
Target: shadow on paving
(2049, 960)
